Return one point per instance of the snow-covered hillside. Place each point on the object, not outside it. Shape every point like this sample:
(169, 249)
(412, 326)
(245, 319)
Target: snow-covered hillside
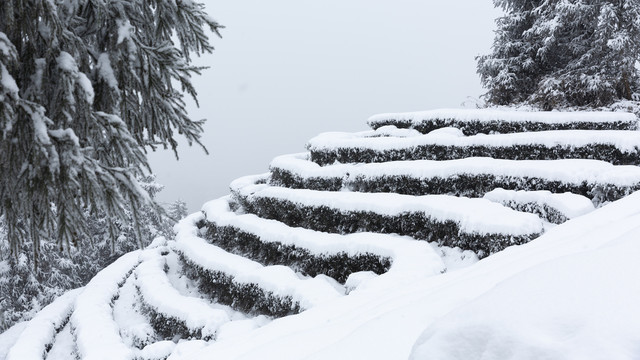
(394, 243)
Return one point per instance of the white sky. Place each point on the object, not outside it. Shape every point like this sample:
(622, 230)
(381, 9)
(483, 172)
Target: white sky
(287, 70)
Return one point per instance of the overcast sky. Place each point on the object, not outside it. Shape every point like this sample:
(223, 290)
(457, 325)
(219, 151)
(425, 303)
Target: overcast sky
(287, 70)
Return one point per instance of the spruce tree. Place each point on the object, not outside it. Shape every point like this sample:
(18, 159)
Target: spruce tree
(563, 53)
(25, 289)
(85, 87)
(510, 72)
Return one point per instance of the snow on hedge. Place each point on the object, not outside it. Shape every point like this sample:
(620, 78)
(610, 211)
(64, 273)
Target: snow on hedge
(133, 325)
(462, 175)
(572, 293)
(97, 333)
(618, 147)
(40, 333)
(64, 347)
(556, 208)
(473, 121)
(475, 216)
(158, 293)
(278, 280)
(410, 259)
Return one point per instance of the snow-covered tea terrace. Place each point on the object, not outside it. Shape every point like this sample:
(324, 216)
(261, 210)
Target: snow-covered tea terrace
(447, 234)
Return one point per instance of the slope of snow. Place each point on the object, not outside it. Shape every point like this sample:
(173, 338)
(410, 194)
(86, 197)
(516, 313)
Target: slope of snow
(40, 332)
(593, 249)
(9, 337)
(565, 308)
(98, 335)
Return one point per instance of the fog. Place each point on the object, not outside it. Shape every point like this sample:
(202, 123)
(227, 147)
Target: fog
(287, 70)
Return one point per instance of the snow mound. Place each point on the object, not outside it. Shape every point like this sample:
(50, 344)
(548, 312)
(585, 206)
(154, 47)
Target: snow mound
(581, 306)
(41, 331)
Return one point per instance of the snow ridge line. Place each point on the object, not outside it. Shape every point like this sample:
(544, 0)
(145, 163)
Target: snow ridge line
(616, 147)
(312, 252)
(471, 224)
(476, 121)
(36, 339)
(169, 312)
(471, 177)
(97, 334)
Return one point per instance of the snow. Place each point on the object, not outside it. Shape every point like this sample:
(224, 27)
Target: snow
(105, 71)
(64, 347)
(410, 259)
(40, 127)
(240, 328)
(358, 278)
(157, 351)
(571, 171)
(157, 292)
(278, 279)
(6, 47)
(9, 337)
(41, 330)
(596, 251)
(97, 334)
(7, 81)
(625, 141)
(67, 63)
(478, 216)
(568, 204)
(67, 133)
(86, 86)
(390, 130)
(553, 117)
(532, 315)
(133, 326)
(125, 29)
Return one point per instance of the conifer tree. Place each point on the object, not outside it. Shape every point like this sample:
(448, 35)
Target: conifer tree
(177, 210)
(563, 53)
(85, 87)
(25, 289)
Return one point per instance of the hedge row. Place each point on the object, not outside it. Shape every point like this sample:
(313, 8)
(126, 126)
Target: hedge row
(468, 185)
(248, 298)
(284, 177)
(605, 152)
(474, 127)
(415, 224)
(544, 211)
(338, 266)
(168, 327)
